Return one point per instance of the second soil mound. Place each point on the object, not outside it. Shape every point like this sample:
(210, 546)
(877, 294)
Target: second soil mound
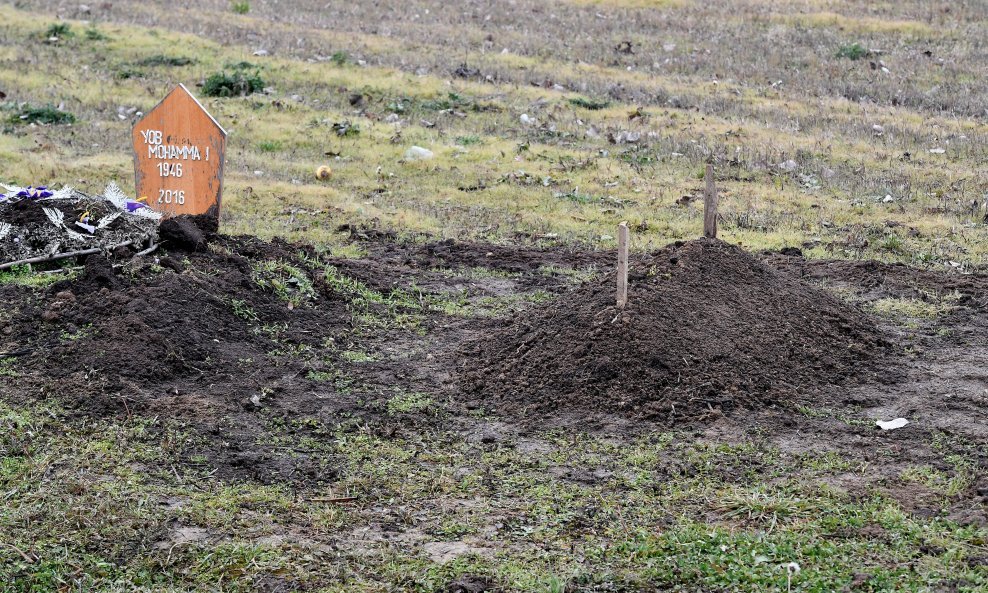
(708, 328)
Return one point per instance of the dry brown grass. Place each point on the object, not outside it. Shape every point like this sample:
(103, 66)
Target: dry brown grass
(747, 84)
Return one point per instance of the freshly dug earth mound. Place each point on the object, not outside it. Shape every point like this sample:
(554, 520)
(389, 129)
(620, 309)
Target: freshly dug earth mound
(708, 328)
(244, 340)
(188, 233)
(224, 337)
(150, 332)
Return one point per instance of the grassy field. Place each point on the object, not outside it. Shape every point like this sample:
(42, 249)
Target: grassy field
(849, 129)
(876, 108)
(560, 512)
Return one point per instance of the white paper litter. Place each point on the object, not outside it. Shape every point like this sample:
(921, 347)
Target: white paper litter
(417, 153)
(892, 424)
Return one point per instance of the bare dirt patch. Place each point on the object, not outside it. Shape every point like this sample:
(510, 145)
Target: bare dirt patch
(247, 341)
(709, 329)
(236, 335)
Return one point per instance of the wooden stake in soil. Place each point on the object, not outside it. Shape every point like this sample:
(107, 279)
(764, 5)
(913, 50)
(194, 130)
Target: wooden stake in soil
(622, 272)
(710, 205)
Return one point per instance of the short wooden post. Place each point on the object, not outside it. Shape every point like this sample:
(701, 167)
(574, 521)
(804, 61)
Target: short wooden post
(710, 205)
(622, 271)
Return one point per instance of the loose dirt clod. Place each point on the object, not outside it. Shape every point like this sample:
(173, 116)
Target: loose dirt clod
(470, 584)
(708, 328)
(188, 233)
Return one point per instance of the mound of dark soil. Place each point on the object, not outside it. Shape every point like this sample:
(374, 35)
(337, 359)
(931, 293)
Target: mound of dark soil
(235, 336)
(223, 338)
(149, 332)
(708, 328)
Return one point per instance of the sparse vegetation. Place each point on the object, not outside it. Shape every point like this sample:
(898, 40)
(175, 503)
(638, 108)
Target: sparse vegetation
(59, 31)
(242, 310)
(468, 140)
(7, 368)
(45, 114)
(291, 283)
(404, 403)
(914, 308)
(591, 104)
(697, 530)
(233, 84)
(853, 51)
(94, 34)
(24, 276)
(126, 73)
(164, 60)
(356, 356)
(340, 57)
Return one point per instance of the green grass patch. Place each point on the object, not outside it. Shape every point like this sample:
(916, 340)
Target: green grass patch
(165, 60)
(291, 283)
(470, 140)
(342, 382)
(407, 402)
(340, 58)
(45, 114)
(24, 276)
(94, 34)
(356, 356)
(372, 308)
(852, 51)
(938, 480)
(59, 31)
(233, 84)
(913, 308)
(127, 73)
(7, 368)
(243, 310)
(591, 104)
(448, 102)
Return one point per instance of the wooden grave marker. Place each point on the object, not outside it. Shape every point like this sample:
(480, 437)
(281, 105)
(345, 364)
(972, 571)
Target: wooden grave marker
(178, 157)
(622, 271)
(710, 204)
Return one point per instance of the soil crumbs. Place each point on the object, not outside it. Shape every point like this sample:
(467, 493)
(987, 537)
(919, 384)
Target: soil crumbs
(709, 329)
